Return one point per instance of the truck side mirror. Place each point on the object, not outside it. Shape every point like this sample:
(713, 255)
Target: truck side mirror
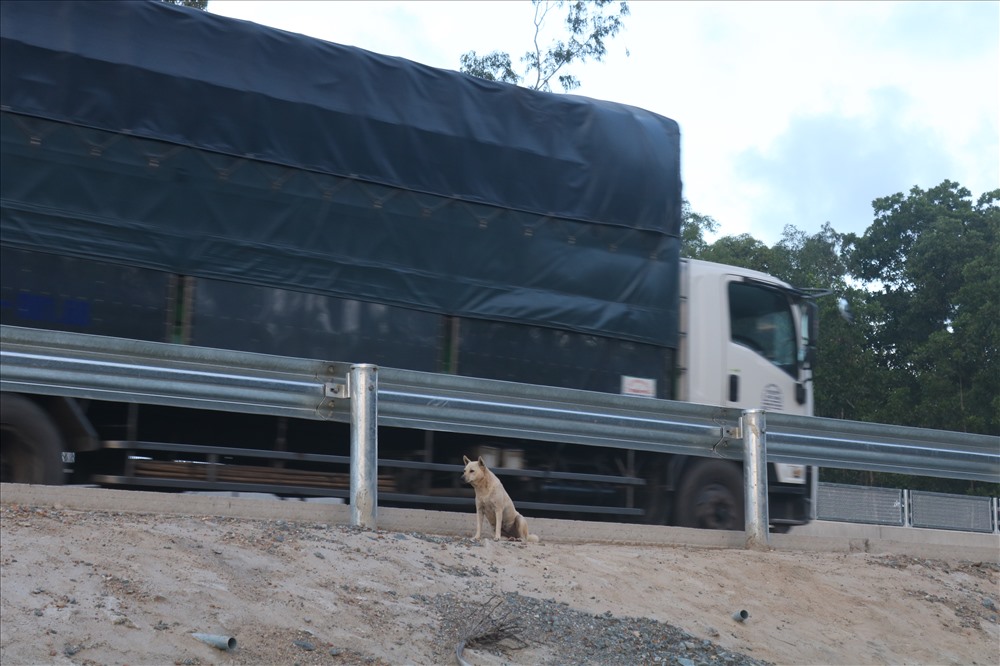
(813, 312)
(812, 333)
(810, 361)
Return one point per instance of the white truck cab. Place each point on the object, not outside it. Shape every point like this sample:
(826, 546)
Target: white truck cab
(747, 342)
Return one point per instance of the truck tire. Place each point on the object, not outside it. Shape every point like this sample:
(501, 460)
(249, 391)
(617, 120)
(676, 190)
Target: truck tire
(710, 496)
(30, 444)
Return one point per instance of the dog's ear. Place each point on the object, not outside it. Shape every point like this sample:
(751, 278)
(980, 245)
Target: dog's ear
(482, 462)
(466, 459)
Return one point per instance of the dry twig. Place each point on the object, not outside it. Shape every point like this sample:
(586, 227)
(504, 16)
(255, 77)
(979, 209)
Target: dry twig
(493, 622)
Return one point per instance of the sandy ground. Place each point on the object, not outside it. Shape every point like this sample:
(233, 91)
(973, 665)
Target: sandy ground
(98, 587)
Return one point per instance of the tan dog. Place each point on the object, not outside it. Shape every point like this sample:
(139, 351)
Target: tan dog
(493, 502)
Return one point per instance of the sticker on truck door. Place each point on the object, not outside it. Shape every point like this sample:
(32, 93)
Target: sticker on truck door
(771, 398)
(638, 386)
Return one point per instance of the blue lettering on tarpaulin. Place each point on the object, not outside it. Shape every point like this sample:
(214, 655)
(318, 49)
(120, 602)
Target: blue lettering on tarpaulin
(36, 308)
(70, 312)
(76, 312)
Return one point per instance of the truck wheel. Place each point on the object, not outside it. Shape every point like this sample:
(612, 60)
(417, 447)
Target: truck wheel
(711, 496)
(30, 444)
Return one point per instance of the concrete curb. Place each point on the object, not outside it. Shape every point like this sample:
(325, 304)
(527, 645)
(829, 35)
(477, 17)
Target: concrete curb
(816, 537)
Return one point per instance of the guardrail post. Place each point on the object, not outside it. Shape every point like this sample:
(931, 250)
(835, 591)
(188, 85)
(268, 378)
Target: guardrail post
(907, 509)
(754, 427)
(364, 445)
(995, 510)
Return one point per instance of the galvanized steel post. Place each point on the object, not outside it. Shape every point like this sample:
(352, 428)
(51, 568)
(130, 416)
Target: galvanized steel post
(364, 445)
(754, 428)
(907, 518)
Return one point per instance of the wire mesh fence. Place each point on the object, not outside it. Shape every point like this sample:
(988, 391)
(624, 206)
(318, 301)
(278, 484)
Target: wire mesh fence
(906, 508)
(952, 512)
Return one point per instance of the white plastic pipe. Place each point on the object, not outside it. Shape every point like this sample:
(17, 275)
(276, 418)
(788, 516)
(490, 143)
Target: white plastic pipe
(217, 641)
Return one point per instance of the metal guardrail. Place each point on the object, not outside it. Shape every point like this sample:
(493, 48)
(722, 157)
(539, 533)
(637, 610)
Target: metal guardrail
(880, 447)
(119, 369)
(467, 404)
(99, 367)
(450, 403)
(106, 368)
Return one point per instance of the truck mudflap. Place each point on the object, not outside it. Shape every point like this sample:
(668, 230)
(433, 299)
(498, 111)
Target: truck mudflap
(785, 513)
(789, 504)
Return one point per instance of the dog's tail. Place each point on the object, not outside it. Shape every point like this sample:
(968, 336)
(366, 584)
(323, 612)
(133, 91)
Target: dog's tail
(533, 538)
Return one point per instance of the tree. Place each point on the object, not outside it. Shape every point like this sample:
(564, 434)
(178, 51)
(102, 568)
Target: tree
(932, 261)
(930, 313)
(742, 250)
(694, 226)
(810, 261)
(588, 25)
(194, 4)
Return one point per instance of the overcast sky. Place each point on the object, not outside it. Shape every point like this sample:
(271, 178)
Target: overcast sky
(790, 112)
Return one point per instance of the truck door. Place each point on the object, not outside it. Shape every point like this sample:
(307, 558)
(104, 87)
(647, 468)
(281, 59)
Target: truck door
(761, 350)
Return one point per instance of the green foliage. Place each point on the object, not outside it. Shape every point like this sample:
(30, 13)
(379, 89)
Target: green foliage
(743, 250)
(495, 66)
(810, 261)
(932, 262)
(194, 4)
(588, 26)
(694, 226)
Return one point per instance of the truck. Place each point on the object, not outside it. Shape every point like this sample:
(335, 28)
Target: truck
(175, 176)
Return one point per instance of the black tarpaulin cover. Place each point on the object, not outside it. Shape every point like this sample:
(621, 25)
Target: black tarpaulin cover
(159, 136)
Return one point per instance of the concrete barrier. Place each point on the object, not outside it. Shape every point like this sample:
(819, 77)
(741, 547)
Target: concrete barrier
(819, 536)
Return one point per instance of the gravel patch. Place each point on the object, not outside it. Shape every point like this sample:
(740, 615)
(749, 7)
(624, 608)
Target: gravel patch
(570, 636)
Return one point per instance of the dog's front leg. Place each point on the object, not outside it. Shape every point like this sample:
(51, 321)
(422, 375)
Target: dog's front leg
(499, 524)
(479, 522)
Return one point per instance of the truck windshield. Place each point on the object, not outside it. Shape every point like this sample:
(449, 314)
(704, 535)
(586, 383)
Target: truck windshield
(760, 318)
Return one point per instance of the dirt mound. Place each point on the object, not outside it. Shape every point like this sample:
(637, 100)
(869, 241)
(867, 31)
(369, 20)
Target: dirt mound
(97, 587)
